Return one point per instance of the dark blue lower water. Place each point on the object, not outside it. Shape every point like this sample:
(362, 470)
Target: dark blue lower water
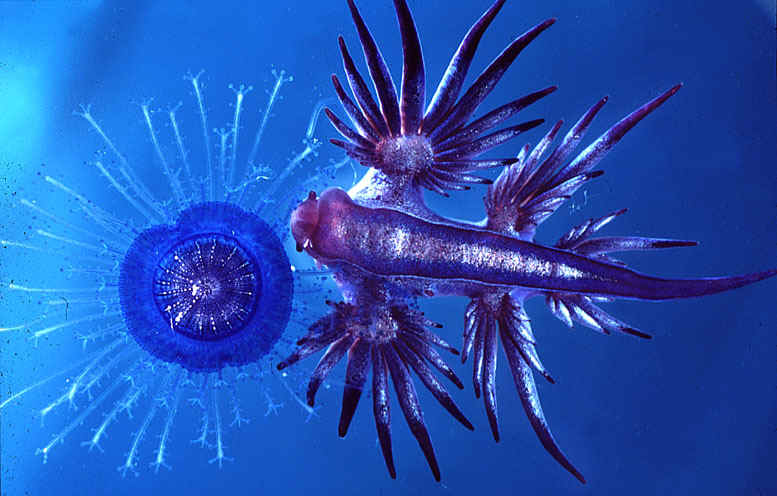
(693, 411)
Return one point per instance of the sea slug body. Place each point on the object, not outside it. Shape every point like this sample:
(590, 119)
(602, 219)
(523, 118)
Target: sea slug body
(387, 248)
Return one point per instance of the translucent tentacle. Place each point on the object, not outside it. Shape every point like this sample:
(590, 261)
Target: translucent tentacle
(131, 462)
(79, 419)
(209, 180)
(173, 399)
(172, 177)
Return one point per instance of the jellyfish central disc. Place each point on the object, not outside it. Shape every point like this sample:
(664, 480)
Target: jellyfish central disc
(206, 287)
(215, 289)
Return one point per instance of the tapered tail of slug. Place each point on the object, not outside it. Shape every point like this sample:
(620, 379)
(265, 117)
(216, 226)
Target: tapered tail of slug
(628, 284)
(649, 288)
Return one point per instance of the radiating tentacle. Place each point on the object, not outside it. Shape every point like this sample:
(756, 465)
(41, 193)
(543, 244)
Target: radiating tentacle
(413, 75)
(470, 165)
(573, 137)
(458, 177)
(393, 339)
(598, 246)
(408, 402)
(530, 172)
(489, 376)
(477, 358)
(582, 309)
(395, 140)
(428, 337)
(355, 376)
(529, 353)
(355, 114)
(525, 194)
(332, 356)
(380, 408)
(321, 334)
(346, 131)
(493, 118)
(527, 391)
(583, 231)
(452, 80)
(466, 150)
(381, 78)
(472, 318)
(360, 91)
(429, 182)
(362, 155)
(303, 352)
(431, 355)
(579, 240)
(591, 156)
(431, 382)
(486, 82)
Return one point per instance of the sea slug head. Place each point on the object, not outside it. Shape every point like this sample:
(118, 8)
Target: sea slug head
(304, 221)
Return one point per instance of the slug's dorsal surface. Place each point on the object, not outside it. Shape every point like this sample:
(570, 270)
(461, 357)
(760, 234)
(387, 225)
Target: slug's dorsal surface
(387, 248)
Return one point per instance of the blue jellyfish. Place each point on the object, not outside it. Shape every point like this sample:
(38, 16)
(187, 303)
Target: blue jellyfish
(183, 302)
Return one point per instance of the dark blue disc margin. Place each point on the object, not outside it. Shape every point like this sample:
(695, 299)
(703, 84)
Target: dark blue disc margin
(264, 327)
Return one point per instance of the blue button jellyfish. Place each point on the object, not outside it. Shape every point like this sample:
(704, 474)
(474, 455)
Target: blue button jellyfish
(186, 304)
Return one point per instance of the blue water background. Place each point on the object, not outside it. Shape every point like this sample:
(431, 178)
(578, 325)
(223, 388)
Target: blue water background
(693, 411)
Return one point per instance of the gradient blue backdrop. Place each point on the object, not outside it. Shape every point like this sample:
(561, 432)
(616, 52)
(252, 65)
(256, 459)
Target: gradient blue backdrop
(693, 411)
